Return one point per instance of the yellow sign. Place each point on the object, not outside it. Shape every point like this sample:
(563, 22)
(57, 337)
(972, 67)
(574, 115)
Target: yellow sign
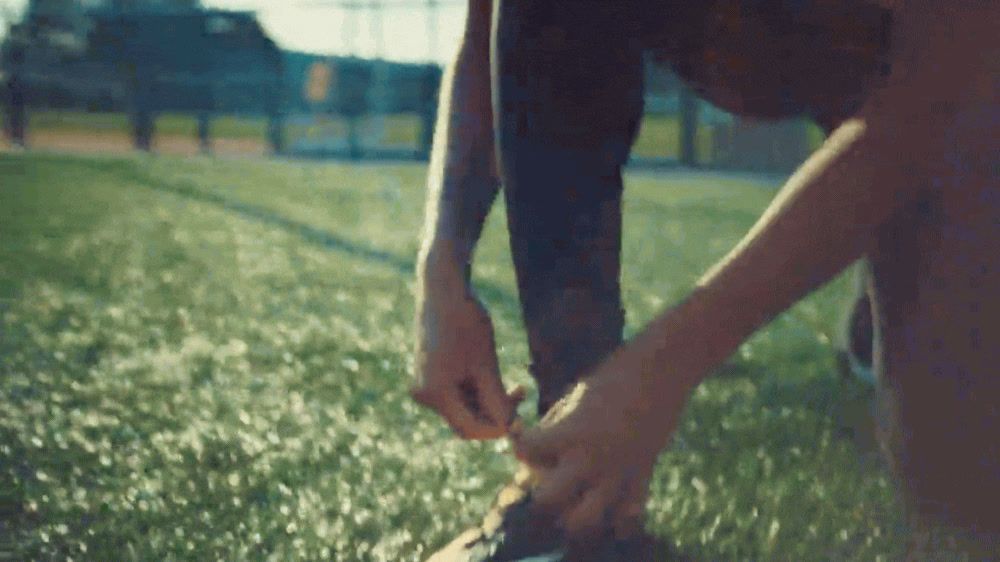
(318, 83)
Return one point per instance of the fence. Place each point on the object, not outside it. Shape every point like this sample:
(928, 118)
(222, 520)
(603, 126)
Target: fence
(225, 85)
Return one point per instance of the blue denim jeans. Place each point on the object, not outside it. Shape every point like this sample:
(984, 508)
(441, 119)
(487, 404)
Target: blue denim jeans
(568, 106)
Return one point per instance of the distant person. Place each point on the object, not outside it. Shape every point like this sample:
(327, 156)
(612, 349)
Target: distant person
(14, 98)
(909, 180)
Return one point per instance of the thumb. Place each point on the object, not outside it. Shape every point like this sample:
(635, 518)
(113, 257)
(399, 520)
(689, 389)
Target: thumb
(515, 397)
(540, 446)
(491, 396)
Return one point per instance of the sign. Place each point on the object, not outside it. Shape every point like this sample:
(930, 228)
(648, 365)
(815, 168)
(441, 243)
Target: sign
(318, 82)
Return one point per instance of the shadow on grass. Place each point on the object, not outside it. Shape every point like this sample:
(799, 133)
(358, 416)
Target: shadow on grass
(129, 172)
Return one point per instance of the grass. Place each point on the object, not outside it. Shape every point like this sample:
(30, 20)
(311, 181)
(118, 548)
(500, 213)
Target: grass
(206, 359)
(170, 124)
(399, 129)
(658, 137)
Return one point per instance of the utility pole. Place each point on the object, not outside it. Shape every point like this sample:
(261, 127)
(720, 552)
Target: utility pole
(432, 30)
(349, 33)
(15, 96)
(689, 126)
(430, 83)
(378, 90)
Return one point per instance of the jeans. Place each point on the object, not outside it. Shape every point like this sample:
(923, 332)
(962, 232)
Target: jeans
(567, 109)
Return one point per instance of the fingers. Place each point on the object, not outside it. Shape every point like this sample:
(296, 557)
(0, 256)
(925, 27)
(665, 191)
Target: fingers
(493, 399)
(590, 502)
(561, 486)
(517, 395)
(589, 495)
(541, 446)
(592, 513)
(627, 519)
(627, 515)
(463, 407)
(608, 504)
(451, 406)
(514, 399)
(466, 423)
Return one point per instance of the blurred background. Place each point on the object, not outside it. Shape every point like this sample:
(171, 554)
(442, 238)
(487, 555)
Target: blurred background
(209, 217)
(316, 78)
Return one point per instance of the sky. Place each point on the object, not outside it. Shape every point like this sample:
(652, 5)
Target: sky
(317, 26)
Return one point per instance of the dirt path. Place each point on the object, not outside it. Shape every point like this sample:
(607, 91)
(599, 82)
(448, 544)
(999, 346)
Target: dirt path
(112, 142)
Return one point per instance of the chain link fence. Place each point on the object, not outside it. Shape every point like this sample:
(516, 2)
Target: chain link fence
(196, 80)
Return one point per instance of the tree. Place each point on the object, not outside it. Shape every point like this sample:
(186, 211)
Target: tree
(125, 5)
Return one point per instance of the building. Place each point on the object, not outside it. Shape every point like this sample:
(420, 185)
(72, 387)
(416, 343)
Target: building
(106, 54)
(190, 60)
(149, 56)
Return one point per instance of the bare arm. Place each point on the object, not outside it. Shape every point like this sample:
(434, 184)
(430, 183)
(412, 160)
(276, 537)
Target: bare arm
(462, 182)
(830, 213)
(825, 218)
(457, 372)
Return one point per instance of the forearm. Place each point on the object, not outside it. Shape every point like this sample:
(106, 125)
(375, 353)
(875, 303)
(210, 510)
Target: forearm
(461, 181)
(825, 218)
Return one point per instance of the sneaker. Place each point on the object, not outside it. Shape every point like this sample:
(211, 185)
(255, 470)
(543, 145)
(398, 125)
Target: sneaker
(513, 532)
(856, 359)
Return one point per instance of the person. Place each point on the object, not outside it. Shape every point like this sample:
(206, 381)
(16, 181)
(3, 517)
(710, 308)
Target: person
(916, 196)
(13, 95)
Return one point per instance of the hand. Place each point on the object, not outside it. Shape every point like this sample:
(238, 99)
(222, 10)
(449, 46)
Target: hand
(595, 450)
(456, 365)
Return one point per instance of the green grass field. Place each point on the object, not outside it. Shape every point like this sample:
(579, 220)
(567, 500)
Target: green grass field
(658, 136)
(400, 129)
(206, 359)
(174, 124)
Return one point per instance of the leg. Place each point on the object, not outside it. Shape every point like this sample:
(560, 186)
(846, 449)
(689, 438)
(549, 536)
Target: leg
(567, 100)
(855, 354)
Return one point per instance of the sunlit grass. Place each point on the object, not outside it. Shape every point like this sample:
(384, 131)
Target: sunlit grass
(209, 359)
(171, 124)
(402, 129)
(660, 137)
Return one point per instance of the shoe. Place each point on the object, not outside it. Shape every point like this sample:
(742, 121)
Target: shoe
(855, 358)
(514, 532)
